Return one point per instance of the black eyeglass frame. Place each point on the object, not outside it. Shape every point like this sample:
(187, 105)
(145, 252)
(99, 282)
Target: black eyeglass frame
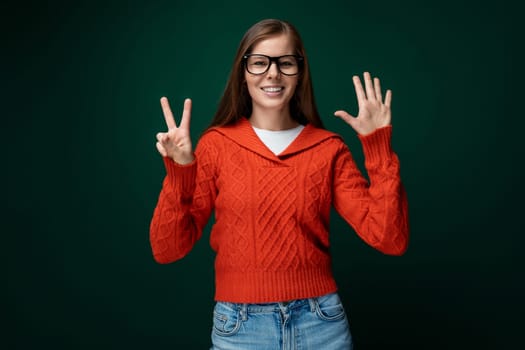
(300, 60)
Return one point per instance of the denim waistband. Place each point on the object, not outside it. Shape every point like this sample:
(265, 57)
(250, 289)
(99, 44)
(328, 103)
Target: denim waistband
(273, 307)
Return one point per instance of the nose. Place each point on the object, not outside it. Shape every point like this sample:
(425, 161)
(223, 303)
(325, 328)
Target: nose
(273, 71)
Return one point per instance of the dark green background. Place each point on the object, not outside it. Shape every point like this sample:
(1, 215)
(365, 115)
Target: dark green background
(80, 89)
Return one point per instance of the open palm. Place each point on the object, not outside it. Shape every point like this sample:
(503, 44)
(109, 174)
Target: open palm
(373, 112)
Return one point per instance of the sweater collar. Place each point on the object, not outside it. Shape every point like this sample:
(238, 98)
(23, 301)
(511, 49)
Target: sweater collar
(243, 134)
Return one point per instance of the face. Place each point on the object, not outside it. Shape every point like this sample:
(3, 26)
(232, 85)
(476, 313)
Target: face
(272, 90)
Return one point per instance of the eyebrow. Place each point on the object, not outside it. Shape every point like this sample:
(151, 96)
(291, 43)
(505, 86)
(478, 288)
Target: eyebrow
(262, 54)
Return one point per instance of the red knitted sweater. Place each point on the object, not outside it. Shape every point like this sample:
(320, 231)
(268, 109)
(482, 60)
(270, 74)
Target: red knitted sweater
(271, 231)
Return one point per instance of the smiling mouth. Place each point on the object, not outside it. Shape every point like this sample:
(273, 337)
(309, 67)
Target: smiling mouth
(273, 89)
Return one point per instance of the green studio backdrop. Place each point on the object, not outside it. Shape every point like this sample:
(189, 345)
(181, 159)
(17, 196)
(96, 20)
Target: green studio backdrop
(81, 90)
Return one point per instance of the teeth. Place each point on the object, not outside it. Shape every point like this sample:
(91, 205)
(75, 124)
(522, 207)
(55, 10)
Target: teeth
(272, 89)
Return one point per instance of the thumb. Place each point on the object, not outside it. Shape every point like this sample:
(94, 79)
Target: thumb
(161, 150)
(348, 118)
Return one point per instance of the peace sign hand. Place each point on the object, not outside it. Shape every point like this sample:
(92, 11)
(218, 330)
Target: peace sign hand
(176, 143)
(373, 112)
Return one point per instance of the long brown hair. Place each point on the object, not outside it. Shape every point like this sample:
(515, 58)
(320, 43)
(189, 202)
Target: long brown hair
(236, 101)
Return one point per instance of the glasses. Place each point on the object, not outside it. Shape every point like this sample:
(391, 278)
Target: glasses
(260, 64)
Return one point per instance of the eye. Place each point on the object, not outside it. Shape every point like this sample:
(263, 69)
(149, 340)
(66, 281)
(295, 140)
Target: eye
(288, 62)
(258, 61)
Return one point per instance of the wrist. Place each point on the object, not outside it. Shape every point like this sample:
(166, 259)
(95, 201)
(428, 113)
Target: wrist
(183, 160)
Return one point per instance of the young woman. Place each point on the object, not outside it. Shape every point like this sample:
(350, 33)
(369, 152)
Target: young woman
(271, 172)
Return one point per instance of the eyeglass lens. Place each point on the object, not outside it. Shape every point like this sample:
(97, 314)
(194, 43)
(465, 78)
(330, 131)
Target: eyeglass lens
(259, 64)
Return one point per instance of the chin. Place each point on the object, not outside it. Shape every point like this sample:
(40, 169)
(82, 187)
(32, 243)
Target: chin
(277, 105)
(272, 103)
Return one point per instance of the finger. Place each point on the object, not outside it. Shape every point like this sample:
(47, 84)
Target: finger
(161, 150)
(388, 98)
(377, 88)
(186, 115)
(159, 136)
(348, 118)
(370, 93)
(168, 116)
(361, 97)
(344, 115)
(164, 138)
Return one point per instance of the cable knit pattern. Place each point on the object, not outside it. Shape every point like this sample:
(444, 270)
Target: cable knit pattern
(276, 189)
(271, 231)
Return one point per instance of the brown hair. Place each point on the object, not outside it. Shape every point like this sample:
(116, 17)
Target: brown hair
(236, 101)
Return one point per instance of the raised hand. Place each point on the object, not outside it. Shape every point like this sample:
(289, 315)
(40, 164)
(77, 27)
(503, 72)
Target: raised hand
(176, 143)
(373, 112)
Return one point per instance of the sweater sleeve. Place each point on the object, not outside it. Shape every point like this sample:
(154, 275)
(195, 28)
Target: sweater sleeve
(184, 205)
(377, 210)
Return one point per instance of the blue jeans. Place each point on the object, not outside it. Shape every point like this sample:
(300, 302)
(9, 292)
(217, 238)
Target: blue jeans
(305, 324)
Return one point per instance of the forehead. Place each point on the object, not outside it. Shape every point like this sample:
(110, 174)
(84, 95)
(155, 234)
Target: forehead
(275, 46)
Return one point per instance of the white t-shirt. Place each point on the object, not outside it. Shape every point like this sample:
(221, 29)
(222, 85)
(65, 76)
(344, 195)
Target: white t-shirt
(278, 140)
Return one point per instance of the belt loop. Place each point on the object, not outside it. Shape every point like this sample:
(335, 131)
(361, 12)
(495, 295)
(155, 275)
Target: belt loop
(244, 312)
(313, 304)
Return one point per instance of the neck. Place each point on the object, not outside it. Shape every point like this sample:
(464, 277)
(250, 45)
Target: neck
(273, 120)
